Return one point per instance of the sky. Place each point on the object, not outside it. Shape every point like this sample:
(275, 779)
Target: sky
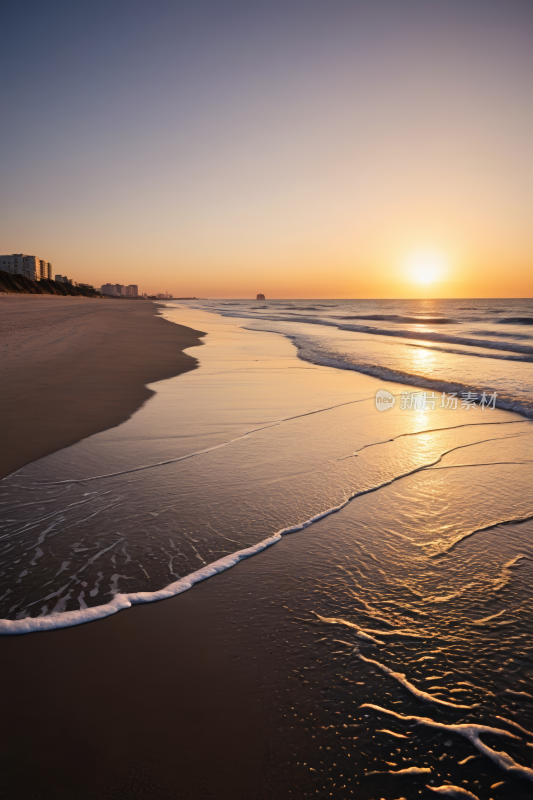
(302, 149)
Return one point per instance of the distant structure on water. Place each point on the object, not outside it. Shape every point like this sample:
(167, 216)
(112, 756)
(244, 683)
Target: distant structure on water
(118, 290)
(260, 297)
(32, 267)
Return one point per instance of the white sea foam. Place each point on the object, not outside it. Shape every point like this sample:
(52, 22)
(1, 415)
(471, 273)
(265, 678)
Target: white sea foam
(408, 771)
(470, 731)
(122, 601)
(418, 693)
(393, 733)
(515, 725)
(452, 791)
(356, 629)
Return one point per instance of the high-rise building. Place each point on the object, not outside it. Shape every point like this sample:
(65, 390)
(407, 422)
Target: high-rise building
(31, 267)
(113, 289)
(132, 290)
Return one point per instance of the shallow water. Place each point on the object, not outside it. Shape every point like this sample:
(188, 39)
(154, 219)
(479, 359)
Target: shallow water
(452, 345)
(414, 598)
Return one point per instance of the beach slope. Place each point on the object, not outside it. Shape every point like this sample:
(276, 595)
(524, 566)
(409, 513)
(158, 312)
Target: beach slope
(74, 366)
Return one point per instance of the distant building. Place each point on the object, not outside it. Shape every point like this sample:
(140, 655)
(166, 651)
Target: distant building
(62, 279)
(31, 267)
(260, 297)
(118, 290)
(113, 289)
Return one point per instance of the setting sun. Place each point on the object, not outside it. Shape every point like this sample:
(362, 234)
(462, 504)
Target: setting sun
(426, 266)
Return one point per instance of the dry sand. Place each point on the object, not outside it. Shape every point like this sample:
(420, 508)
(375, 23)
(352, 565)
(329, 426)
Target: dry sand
(73, 366)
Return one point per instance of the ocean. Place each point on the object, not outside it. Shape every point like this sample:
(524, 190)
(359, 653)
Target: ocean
(397, 543)
(440, 344)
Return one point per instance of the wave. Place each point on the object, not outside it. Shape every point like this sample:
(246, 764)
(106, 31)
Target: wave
(121, 601)
(485, 348)
(505, 334)
(434, 336)
(67, 619)
(506, 403)
(421, 336)
(398, 318)
(516, 321)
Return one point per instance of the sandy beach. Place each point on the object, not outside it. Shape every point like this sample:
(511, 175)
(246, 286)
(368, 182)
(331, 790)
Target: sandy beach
(308, 669)
(128, 710)
(73, 366)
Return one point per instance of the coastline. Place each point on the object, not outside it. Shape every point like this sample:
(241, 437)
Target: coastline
(75, 366)
(205, 695)
(194, 712)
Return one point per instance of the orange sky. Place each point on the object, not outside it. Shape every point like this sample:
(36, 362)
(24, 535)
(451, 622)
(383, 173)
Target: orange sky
(302, 150)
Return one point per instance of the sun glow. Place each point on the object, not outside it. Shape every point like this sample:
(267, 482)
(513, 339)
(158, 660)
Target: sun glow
(426, 267)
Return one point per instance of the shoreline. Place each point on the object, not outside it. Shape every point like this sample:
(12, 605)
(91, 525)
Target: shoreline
(191, 710)
(72, 367)
(205, 695)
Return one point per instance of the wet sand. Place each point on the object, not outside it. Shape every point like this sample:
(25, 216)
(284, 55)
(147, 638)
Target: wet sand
(74, 366)
(187, 698)
(167, 701)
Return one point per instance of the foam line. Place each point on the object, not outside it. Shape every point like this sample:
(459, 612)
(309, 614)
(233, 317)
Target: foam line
(471, 732)
(393, 733)
(418, 693)
(515, 725)
(357, 631)
(486, 464)
(436, 430)
(507, 521)
(121, 601)
(452, 791)
(408, 771)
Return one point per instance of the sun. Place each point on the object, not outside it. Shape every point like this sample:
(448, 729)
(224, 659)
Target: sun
(426, 266)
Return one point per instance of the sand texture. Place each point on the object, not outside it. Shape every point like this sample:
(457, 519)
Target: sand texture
(74, 366)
